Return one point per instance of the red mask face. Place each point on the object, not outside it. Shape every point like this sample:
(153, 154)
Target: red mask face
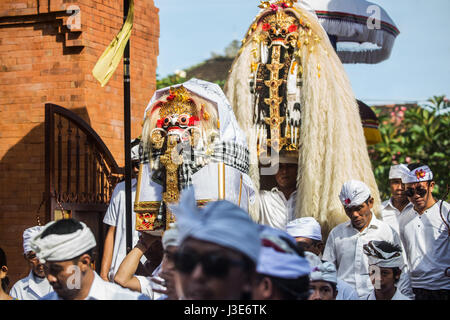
(177, 122)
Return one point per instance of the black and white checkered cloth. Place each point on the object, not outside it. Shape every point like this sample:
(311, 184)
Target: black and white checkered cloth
(230, 153)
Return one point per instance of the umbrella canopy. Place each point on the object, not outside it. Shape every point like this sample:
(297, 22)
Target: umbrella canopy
(360, 38)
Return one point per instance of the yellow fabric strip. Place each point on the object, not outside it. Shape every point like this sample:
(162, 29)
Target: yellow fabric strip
(110, 59)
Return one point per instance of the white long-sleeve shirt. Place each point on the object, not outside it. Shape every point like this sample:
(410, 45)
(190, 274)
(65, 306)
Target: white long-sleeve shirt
(104, 290)
(397, 296)
(394, 217)
(427, 245)
(30, 288)
(275, 210)
(344, 248)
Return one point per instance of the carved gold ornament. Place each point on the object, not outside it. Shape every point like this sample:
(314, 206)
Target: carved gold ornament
(178, 102)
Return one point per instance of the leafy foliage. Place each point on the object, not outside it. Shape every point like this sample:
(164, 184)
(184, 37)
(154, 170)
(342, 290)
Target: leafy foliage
(414, 134)
(168, 81)
(174, 79)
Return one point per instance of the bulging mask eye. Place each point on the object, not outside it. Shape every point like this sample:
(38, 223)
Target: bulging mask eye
(183, 119)
(166, 121)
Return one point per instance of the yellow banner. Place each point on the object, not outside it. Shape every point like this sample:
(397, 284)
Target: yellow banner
(110, 59)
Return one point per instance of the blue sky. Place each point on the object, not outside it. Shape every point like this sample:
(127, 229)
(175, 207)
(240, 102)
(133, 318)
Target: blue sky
(418, 68)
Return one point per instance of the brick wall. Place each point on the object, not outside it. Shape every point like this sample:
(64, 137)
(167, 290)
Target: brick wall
(42, 61)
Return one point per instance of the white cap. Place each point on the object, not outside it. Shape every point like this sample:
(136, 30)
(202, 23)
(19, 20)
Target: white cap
(321, 271)
(398, 171)
(419, 174)
(354, 193)
(306, 227)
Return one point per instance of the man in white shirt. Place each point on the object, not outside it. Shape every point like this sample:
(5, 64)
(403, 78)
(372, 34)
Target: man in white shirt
(162, 275)
(426, 236)
(65, 248)
(394, 211)
(277, 206)
(114, 249)
(308, 235)
(35, 285)
(345, 242)
(385, 261)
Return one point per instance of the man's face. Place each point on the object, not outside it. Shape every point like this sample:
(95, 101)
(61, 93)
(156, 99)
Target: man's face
(35, 265)
(382, 278)
(286, 177)
(422, 193)
(360, 215)
(64, 277)
(219, 276)
(308, 244)
(321, 290)
(397, 189)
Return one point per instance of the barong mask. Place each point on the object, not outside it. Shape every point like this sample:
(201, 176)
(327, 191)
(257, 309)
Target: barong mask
(178, 120)
(176, 131)
(276, 74)
(188, 128)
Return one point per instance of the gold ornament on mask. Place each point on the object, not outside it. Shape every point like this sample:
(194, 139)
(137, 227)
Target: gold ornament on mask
(178, 102)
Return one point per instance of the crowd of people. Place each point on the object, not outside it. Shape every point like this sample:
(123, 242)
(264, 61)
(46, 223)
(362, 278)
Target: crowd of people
(218, 252)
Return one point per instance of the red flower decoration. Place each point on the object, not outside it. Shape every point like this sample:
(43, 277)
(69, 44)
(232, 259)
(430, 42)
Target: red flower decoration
(284, 5)
(292, 28)
(266, 27)
(171, 97)
(347, 201)
(420, 174)
(274, 7)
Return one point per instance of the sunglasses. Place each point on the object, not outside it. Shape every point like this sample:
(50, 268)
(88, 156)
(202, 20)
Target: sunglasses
(412, 191)
(213, 264)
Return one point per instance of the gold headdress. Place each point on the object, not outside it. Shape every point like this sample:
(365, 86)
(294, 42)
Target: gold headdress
(283, 3)
(178, 102)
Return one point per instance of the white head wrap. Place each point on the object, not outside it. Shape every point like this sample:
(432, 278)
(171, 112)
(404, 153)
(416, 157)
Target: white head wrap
(277, 258)
(398, 171)
(420, 174)
(28, 234)
(382, 258)
(321, 271)
(306, 227)
(219, 222)
(171, 237)
(62, 247)
(354, 193)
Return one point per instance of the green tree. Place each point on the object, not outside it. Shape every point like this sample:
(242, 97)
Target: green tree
(415, 134)
(174, 79)
(168, 81)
